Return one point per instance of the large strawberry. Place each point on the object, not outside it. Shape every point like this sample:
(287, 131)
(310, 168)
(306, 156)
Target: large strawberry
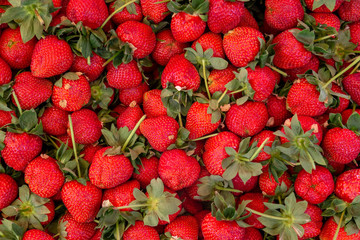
(54, 121)
(349, 11)
(92, 70)
(184, 227)
(213, 229)
(70, 229)
(330, 228)
(187, 27)
(6, 73)
(8, 190)
(126, 75)
(347, 186)
(86, 125)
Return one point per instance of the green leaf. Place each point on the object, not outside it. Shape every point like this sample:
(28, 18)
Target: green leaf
(218, 63)
(353, 122)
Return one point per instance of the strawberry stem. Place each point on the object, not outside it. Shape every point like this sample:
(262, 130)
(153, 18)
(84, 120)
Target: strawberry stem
(110, 59)
(180, 120)
(116, 11)
(240, 90)
(228, 189)
(266, 215)
(284, 74)
(339, 226)
(355, 68)
(163, 1)
(133, 206)
(223, 95)
(132, 133)
(204, 137)
(324, 38)
(259, 149)
(74, 146)
(17, 102)
(117, 231)
(53, 143)
(205, 78)
(56, 235)
(342, 71)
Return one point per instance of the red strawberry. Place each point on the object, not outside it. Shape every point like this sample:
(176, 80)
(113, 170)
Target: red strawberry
(129, 118)
(87, 127)
(124, 14)
(147, 170)
(51, 215)
(313, 64)
(71, 93)
(54, 121)
(6, 73)
(350, 11)
(92, 70)
(213, 41)
(152, 104)
(8, 190)
(247, 119)
(347, 113)
(241, 45)
(323, 7)
(57, 4)
(184, 227)
(186, 27)
(12, 49)
(219, 78)
(282, 15)
(224, 16)
(166, 47)
(244, 187)
(44, 176)
(330, 228)
(178, 170)
(133, 95)
(117, 111)
(248, 20)
(355, 38)
(70, 229)
(343, 102)
(20, 149)
(51, 57)
(313, 228)
(329, 19)
(347, 186)
(268, 184)
(139, 230)
(260, 138)
(126, 75)
(154, 11)
(89, 152)
(97, 235)
(190, 205)
(253, 234)
(31, 91)
(351, 85)
(92, 13)
(314, 187)
(5, 117)
(82, 201)
(108, 171)
(64, 139)
(139, 35)
(181, 72)
(257, 204)
(36, 234)
(262, 81)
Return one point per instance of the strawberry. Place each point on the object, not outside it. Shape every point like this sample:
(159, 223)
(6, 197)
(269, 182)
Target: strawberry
(121, 195)
(154, 10)
(139, 35)
(268, 185)
(12, 49)
(5, 117)
(347, 113)
(97, 235)
(70, 229)
(289, 52)
(118, 110)
(152, 104)
(31, 91)
(129, 118)
(166, 47)
(314, 187)
(126, 75)
(87, 127)
(224, 16)
(20, 149)
(260, 138)
(293, 73)
(44, 176)
(54, 121)
(313, 228)
(92, 13)
(241, 45)
(247, 119)
(66, 139)
(354, 29)
(257, 203)
(124, 15)
(281, 16)
(129, 96)
(351, 85)
(147, 170)
(350, 11)
(330, 228)
(6, 73)
(51, 57)
(8, 190)
(71, 92)
(108, 171)
(51, 215)
(253, 234)
(181, 72)
(347, 186)
(190, 205)
(262, 81)
(139, 230)
(89, 151)
(178, 170)
(36, 234)
(92, 70)
(329, 19)
(184, 227)
(323, 8)
(248, 20)
(244, 187)
(343, 103)
(213, 41)
(219, 78)
(186, 27)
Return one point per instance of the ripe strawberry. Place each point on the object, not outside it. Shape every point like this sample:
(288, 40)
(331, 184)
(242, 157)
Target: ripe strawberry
(347, 113)
(351, 85)
(244, 187)
(313, 64)
(36, 234)
(121, 195)
(31, 91)
(57, 4)
(247, 119)
(92, 13)
(20, 149)
(139, 35)
(257, 204)
(224, 16)
(54, 121)
(152, 104)
(147, 170)
(181, 72)
(154, 11)
(213, 41)
(97, 235)
(126, 75)
(89, 151)
(71, 93)
(268, 184)
(64, 139)
(219, 78)
(241, 45)
(347, 186)
(213, 229)
(323, 8)
(5, 117)
(184, 227)
(108, 171)
(354, 29)
(92, 70)
(129, 118)
(282, 15)
(303, 99)
(343, 102)
(260, 138)
(253, 234)
(314, 187)
(139, 230)
(44, 176)
(341, 145)
(262, 81)
(51, 57)
(6, 73)
(82, 201)
(51, 215)
(124, 14)
(166, 47)
(133, 95)
(178, 170)
(330, 228)
(312, 229)
(198, 121)
(248, 20)
(12, 49)
(87, 127)
(8, 190)
(350, 11)
(329, 19)
(190, 205)
(117, 111)
(70, 229)
(186, 27)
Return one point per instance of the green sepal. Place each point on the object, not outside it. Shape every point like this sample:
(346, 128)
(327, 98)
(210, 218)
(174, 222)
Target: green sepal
(209, 185)
(176, 101)
(9, 230)
(265, 55)
(241, 83)
(101, 95)
(195, 7)
(117, 137)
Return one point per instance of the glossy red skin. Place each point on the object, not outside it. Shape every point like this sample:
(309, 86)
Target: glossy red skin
(92, 13)
(82, 202)
(181, 72)
(211, 40)
(129, 118)
(190, 205)
(313, 64)
(76, 230)
(219, 78)
(314, 187)
(89, 151)
(147, 171)
(12, 49)
(278, 113)
(283, 14)
(6, 73)
(64, 139)
(139, 230)
(178, 170)
(44, 176)
(132, 95)
(5, 117)
(247, 119)
(343, 102)
(244, 187)
(260, 138)
(186, 27)
(354, 30)
(257, 204)
(329, 229)
(92, 71)
(51, 215)
(351, 85)
(54, 121)
(253, 234)
(152, 104)
(323, 8)
(124, 76)
(262, 81)
(200, 217)
(139, 35)
(327, 18)
(350, 11)
(248, 20)
(124, 14)
(8, 190)
(184, 227)
(20, 149)
(341, 145)
(36, 234)
(268, 184)
(108, 171)
(192, 190)
(87, 126)
(97, 235)
(241, 45)
(313, 228)
(347, 186)
(121, 195)
(224, 16)
(154, 11)
(347, 113)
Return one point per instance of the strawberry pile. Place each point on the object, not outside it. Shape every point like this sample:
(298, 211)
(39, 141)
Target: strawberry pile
(176, 119)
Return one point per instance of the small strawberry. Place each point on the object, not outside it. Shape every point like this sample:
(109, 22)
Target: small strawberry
(293, 73)
(329, 19)
(262, 81)
(184, 227)
(152, 104)
(354, 29)
(342, 103)
(70, 229)
(92, 69)
(87, 127)
(6, 73)
(260, 138)
(89, 151)
(124, 15)
(139, 230)
(36, 234)
(213, 229)
(54, 121)
(349, 11)
(187, 27)
(351, 85)
(148, 170)
(268, 184)
(6, 117)
(257, 203)
(129, 96)
(8, 190)
(347, 186)
(129, 118)
(126, 75)
(313, 228)
(213, 41)
(323, 7)
(154, 10)
(244, 187)
(253, 234)
(219, 78)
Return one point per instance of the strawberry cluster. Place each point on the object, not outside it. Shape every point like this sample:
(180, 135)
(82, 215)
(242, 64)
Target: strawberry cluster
(176, 119)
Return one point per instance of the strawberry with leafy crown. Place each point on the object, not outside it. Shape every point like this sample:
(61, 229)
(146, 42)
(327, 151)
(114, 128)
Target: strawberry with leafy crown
(330, 228)
(268, 184)
(213, 41)
(323, 6)
(92, 69)
(329, 19)
(6, 73)
(126, 75)
(129, 96)
(8, 190)
(154, 10)
(184, 227)
(54, 121)
(152, 104)
(139, 230)
(70, 229)
(147, 170)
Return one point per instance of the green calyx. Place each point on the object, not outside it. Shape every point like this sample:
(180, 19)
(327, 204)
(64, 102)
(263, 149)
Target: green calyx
(168, 236)
(330, 4)
(353, 123)
(101, 95)
(128, 4)
(177, 101)
(241, 84)
(10, 230)
(27, 122)
(195, 7)
(241, 162)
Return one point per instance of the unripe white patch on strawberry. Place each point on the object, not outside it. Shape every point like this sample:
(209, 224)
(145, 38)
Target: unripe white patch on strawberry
(63, 103)
(45, 156)
(287, 123)
(315, 127)
(106, 203)
(171, 137)
(67, 86)
(270, 122)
